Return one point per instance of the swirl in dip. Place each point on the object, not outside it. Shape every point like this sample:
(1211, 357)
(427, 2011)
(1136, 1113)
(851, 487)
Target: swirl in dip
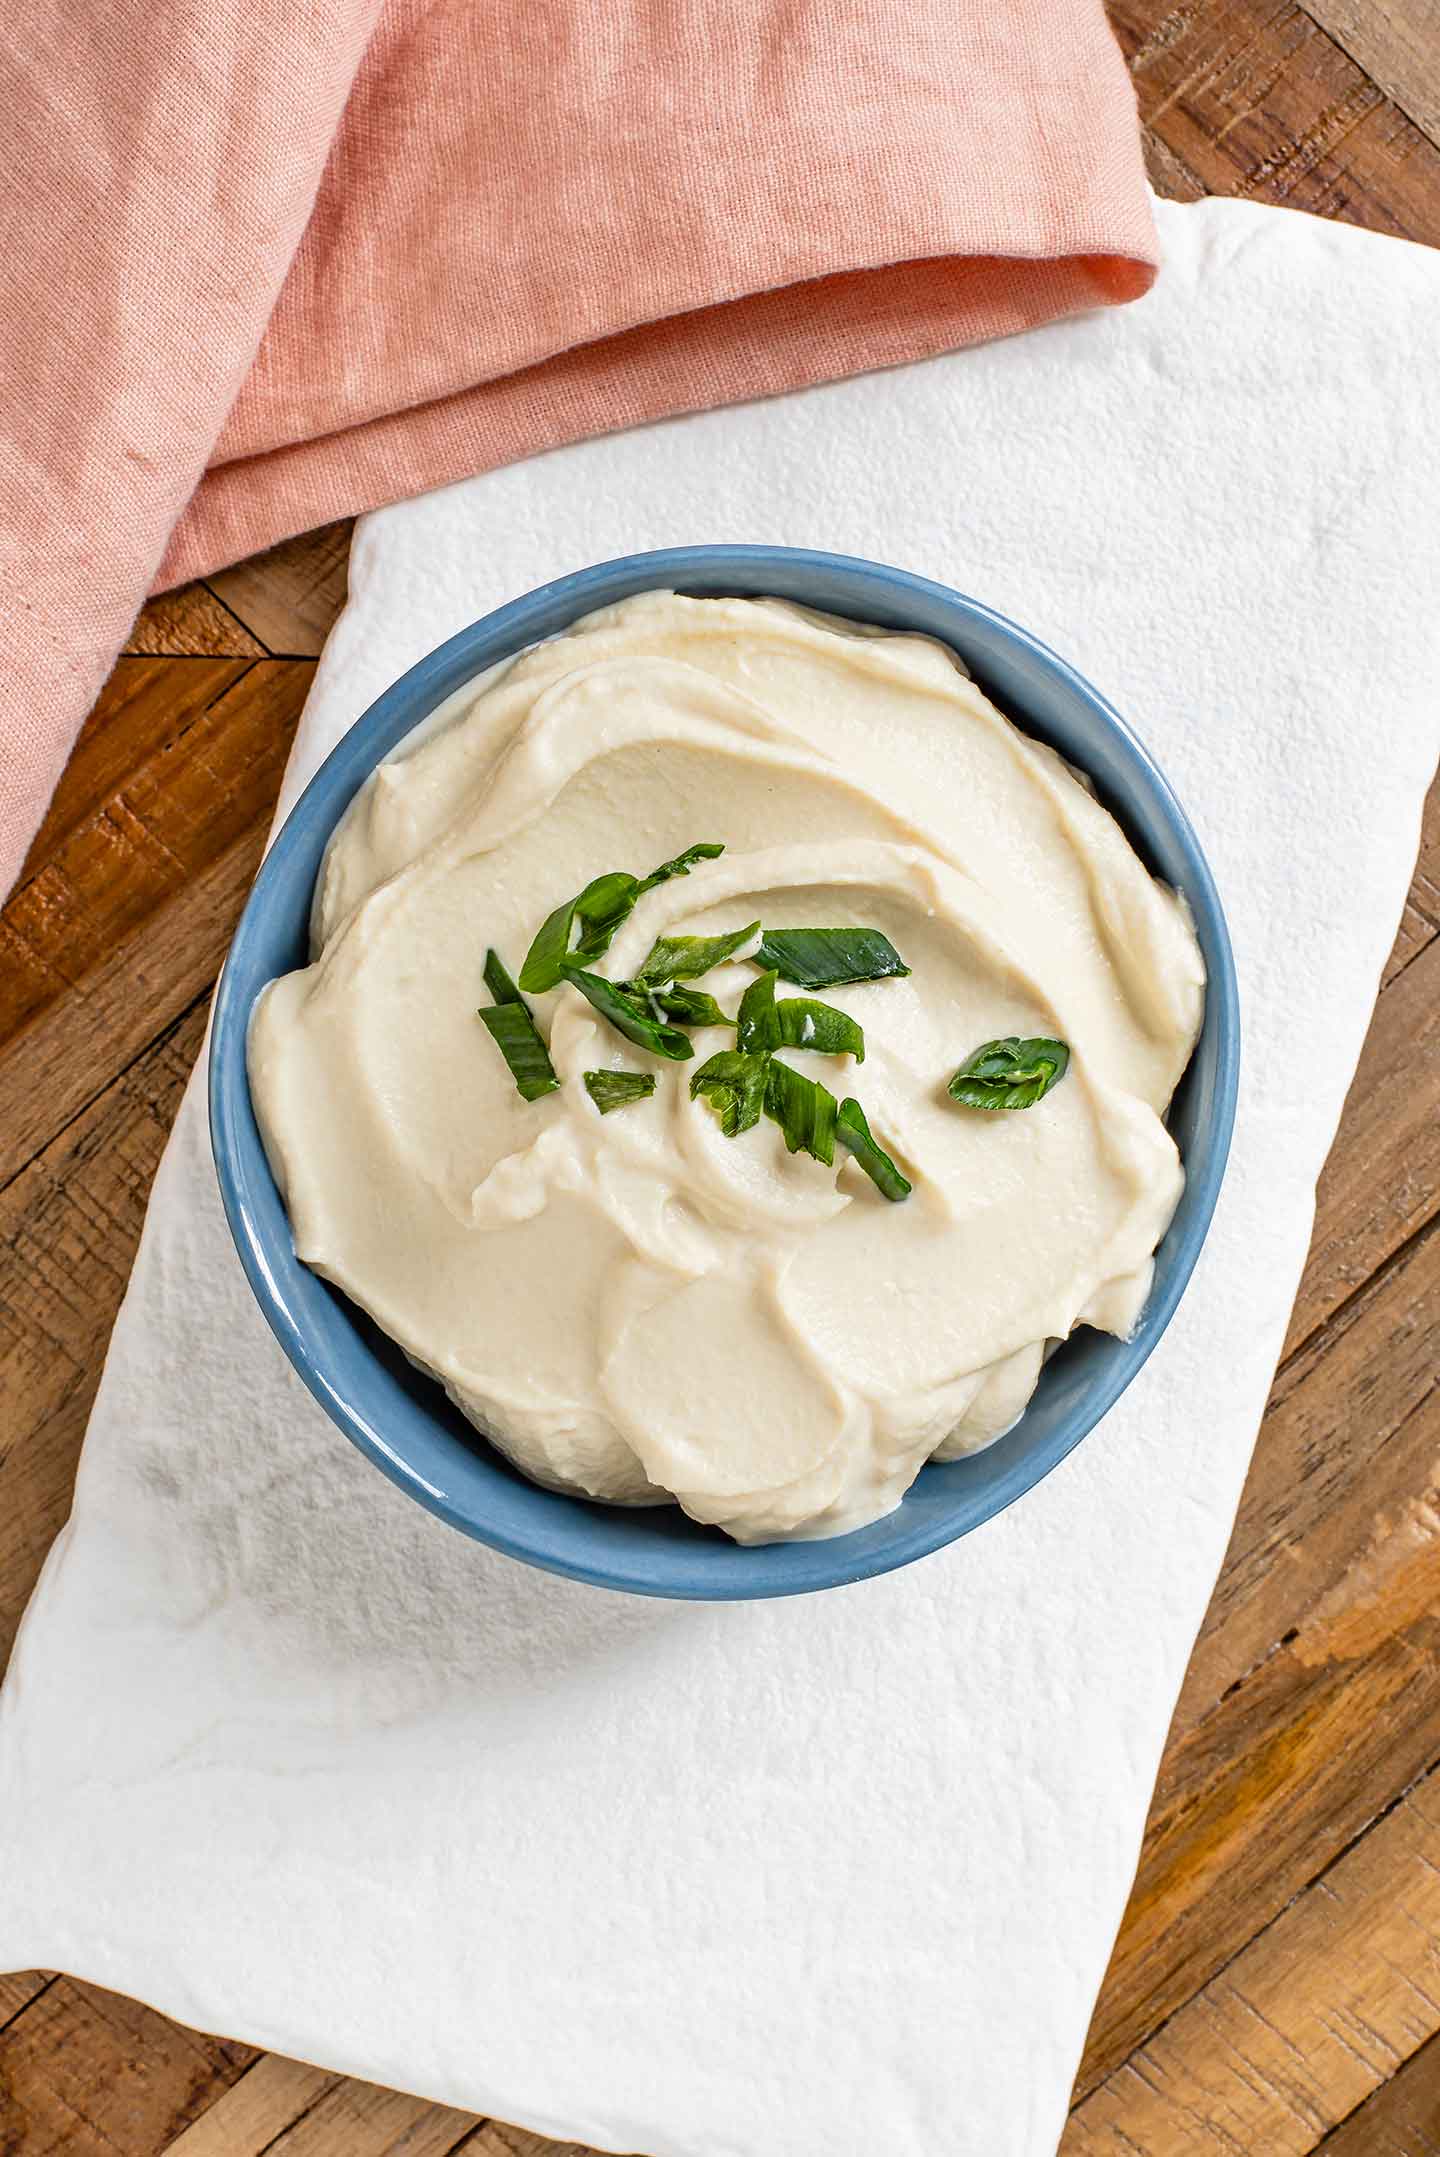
(634, 1306)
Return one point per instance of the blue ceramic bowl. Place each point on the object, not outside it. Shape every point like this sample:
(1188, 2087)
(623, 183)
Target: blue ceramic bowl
(403, 1421)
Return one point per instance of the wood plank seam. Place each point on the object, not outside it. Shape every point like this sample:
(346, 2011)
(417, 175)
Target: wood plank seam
(156, 1041)
(221, 601)
(299, 2119)
(1315, 1884)
(147, 939)
(216, 2121)
(25, 2005)
(1425, 914)
(1394, 2105)
(1421, 948)
(1316, 1342)
(104, 808)
(1408, 96)
(1347, 1632)
(1287, 1639)
(1281, 92)
(1345, 2027)
(290, 597)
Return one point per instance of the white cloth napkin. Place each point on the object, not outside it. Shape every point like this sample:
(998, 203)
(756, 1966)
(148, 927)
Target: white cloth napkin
(816, 1878)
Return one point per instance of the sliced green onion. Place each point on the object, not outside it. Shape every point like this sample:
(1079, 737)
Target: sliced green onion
(704, 850)
(797, 1022)
(806, 1024)
(734, 1086)
(854, 1132)
(627, 1014)
(498, 982)
(687, 1007)
(605, 904)
(681, 958)
(824, 958)
(599, 910)
(602, 908)
(610, 1090)
(804, 1110)
(1010, 1073)
(758, 1022)
(515, 1033)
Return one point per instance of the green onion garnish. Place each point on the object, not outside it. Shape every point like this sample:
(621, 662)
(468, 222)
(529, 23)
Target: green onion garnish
(605, 904)
(610, 1090)
(498, 982)
(681, 958)
(602, 909)
(758, 1022)
(703, 850)
(1010, 1073)
(687, 1007)
(804, 1110)
(515, 1034)
(806, 1024)
(598, 912)
(796, 1022)
(854, 1132)
(745, 1082)
(824, 958)
(627, 1013)
(734, 1085)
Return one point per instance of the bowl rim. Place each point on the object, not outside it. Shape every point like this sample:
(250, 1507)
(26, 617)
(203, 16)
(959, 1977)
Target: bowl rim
(437, 675)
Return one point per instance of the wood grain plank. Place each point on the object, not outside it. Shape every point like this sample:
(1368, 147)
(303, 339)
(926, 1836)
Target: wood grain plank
(1414, 933)
(145, 707)
(1168, 172)
(290, 597)
(129, 921)
(1426, 888)
(358, 2119)
(1397, 44)
(1315, 2014)
(493, 2139)
(69, 1224)
(86, 2073)
(36, 1510)
(1344, 1440)
(50, 1074)
(1401, 2118)
(1314, 1691)
(188, 620)
(1258, 101)
(248, 2118)
(1277, 1783)
(17, 1990)
(1420, 923)
(1381, 1183)
(252, 2117)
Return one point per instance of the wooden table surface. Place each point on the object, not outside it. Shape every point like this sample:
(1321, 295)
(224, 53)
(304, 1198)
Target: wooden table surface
(1276, 1985)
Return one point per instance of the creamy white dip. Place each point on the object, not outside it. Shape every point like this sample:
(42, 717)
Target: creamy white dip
(634, 1306)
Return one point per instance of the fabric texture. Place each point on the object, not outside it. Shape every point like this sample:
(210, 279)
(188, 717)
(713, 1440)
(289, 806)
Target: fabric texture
(839, 1874)
(272, 261)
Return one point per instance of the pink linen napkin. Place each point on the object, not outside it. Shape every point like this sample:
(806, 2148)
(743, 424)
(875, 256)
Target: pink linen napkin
(272, 261)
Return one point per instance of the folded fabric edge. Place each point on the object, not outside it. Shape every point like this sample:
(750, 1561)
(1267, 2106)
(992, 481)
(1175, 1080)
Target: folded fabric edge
(769, 343)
